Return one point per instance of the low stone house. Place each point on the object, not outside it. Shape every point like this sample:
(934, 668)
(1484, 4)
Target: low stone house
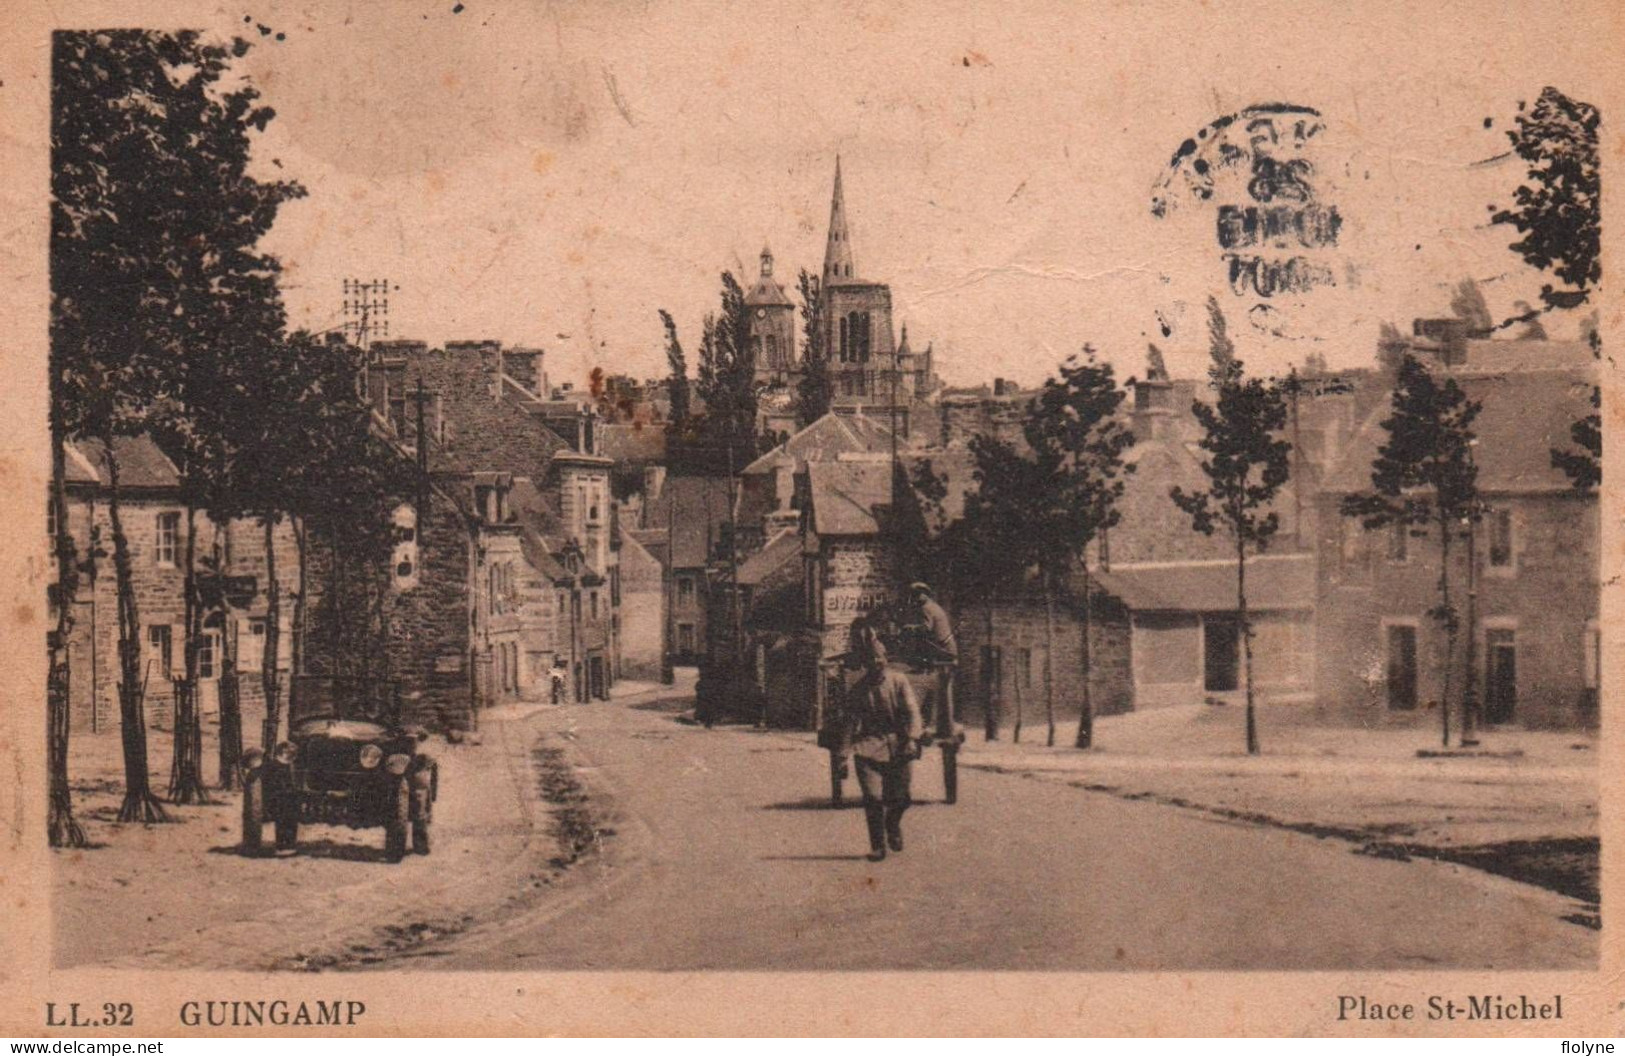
(1530, 597)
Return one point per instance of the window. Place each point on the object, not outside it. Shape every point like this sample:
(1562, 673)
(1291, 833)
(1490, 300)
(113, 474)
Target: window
(167, 544)
(50, 520)
(1502, 553)
(405, 556)
(561, 603)
(685, 591)
(162, 646)
(1399, 543)
(251, 657)
(206, 653)
(1354, 547)
(595, 604)
(685, 638)
(1024, 668)
(592, 509)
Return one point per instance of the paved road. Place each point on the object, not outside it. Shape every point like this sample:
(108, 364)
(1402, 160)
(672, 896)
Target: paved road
(726, 856)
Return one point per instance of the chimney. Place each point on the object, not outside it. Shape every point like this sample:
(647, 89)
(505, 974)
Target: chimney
(784, 479)
(1153, 416)
(1449, 337)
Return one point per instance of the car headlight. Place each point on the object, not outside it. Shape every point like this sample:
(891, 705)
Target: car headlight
(371, 756)
(397, 764)
(285, 753)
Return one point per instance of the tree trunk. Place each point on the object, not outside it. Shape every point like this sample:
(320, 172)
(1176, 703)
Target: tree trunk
(1448, 616)
(61, 829)
(1015, 733)
(231, 707)
(273, 645)
(186, 772)
(300, 610)
(1246, 629)
(1049, 660)
(139, 803)
(1086, 720)
(992, 678)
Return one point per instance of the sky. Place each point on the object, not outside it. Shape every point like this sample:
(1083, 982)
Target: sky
(552, 174)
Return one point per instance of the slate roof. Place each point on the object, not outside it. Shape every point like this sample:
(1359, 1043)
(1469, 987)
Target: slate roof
(847, 495)
(141, 463)
(483, 433)
(783, 548)
(1525, 414)
(767, 291)
(696, 508)
(828, 438)
(651, 539)
(1274, 583)
(541, 532)
(632, 442)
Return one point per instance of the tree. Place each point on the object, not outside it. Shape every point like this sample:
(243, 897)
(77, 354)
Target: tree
(726, 381)
(1220, 347)
(677, 364)
(1583, 462)
(1392, 347)
(1424, 477)
(1075, 415)
(1558, 210)
(1246, 465)
(154, 221)
(1010, 525)
(61, 828)
(815, 391)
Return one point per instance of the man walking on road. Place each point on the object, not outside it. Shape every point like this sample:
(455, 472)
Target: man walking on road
(886, 732)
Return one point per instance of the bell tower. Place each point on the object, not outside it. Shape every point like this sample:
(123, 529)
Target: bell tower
(838, 248)
(772, 326)
(859, 346)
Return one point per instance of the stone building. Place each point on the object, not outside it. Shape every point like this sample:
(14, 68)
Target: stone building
(686, 517)
(155, 523)
(540, 583)
(1529, 597)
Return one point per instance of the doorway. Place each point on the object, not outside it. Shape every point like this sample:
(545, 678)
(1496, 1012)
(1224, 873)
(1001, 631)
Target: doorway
(1402, 667)
(1500, 674)
(1221, 654)
(595, 672)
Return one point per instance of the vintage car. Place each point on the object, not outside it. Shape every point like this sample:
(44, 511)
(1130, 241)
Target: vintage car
(347, 761)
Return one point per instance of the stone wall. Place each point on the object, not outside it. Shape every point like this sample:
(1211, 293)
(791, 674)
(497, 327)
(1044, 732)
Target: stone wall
(1547, 598)
(1019, 632)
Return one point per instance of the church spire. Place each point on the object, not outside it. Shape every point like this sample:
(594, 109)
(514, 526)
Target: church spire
(838, 250)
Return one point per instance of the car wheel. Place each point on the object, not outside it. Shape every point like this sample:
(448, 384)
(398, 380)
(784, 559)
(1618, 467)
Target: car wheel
(253, 814)
(397, 824)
